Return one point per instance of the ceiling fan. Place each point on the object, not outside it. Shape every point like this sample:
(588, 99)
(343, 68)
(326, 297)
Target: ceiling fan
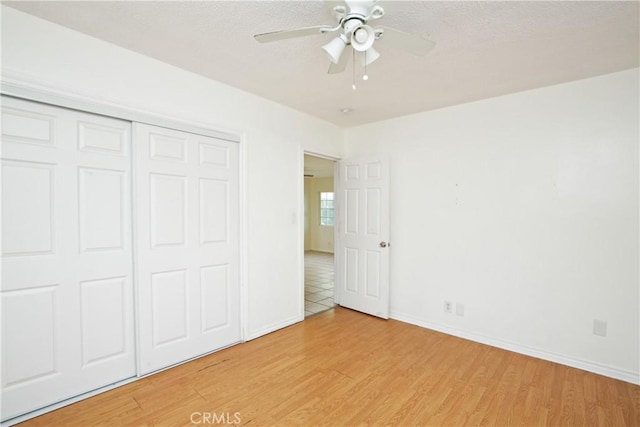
(354, 30)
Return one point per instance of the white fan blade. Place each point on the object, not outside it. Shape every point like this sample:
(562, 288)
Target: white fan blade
(411, 43)
(289, 34)
(342, 63)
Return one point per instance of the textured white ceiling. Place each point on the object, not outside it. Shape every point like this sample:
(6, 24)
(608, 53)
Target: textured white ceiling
(483, 49)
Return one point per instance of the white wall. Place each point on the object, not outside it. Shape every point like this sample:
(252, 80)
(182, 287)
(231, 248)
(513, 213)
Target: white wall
(317, 237)
(36, 52)
(524, 208)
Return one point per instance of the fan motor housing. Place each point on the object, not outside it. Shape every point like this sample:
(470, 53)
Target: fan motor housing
(351, 23)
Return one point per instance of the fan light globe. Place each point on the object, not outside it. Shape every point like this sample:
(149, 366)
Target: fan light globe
(361, 35)
(363, 38)
(335, 48)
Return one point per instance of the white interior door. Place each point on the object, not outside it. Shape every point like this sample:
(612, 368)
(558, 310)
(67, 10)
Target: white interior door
(187, 245)
(67, 319)
(363, 236)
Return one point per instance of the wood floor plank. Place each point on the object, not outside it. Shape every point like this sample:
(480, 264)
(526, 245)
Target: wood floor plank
(341, 367)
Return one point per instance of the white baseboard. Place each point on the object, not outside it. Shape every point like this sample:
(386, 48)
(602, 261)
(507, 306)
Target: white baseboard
(607, 371)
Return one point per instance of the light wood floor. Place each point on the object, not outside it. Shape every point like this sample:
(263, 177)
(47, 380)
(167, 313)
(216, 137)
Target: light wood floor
(340, 367)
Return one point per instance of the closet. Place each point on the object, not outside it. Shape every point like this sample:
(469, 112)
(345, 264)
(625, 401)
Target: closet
(120, 251)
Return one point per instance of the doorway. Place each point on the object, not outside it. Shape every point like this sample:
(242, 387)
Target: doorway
(319, 234)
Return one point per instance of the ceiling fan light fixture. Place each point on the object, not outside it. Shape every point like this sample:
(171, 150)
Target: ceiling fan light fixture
(352, 18)
(363, 38)
(335, 48)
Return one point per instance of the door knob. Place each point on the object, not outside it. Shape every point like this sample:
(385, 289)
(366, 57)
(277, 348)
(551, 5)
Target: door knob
(383, 244)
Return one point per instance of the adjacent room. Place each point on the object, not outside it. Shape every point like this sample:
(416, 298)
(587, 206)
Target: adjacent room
(348, 212)
(319, 234)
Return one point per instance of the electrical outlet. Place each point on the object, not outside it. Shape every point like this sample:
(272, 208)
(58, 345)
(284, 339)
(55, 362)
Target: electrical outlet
(460, 309)
(599, 328)
(448, 307)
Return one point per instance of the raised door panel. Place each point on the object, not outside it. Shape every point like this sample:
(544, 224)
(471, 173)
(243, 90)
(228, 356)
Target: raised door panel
(30, 352)
(170, 148)
(215, 293)
(25, 126)
(351, 270)
(167, 217)
(102, 209)
(213, 210)
(169, 307)
(213, 155)
(28, 192)
(372, 274)
(372, 211)
(104, 308)
(103, 139)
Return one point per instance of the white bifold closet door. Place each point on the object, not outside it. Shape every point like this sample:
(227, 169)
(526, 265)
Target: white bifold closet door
(67, 289)
(187, 263)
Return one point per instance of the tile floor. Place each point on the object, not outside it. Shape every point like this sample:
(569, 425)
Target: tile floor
(318, 282)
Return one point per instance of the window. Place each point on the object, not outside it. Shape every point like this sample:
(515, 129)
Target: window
(326, 208)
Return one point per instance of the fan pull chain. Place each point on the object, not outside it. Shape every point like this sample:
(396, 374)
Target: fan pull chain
(354, 69)
(365, 77)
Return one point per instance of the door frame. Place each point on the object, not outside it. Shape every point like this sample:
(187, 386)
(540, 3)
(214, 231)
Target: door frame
(301, 233)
